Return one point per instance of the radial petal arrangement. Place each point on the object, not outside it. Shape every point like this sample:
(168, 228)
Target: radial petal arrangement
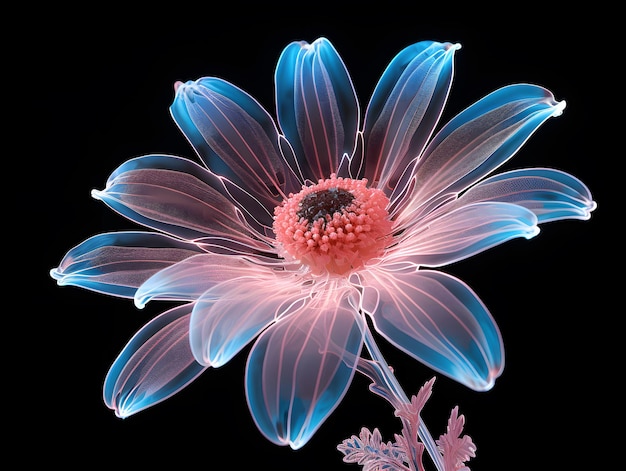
(303, 234)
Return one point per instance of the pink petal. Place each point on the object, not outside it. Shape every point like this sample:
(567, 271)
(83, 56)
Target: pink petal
(189, 279)
(551, 194)
(477, 141)
(439, 320)
(462, 233)
(117, 263)
(154, 365)
(233, 312)
(300, 369)
(176, 196)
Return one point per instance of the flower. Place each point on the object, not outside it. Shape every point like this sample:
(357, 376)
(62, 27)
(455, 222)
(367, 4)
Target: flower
(304, 234)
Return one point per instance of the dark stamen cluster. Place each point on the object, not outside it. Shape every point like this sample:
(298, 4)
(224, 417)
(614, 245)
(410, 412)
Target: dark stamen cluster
(321, 203)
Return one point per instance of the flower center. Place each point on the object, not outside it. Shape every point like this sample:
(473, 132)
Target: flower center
(335, 226)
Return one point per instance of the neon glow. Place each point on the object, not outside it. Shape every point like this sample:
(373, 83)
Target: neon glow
(308, 234)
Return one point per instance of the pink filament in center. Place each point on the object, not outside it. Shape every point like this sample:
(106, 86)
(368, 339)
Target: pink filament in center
(335, 226)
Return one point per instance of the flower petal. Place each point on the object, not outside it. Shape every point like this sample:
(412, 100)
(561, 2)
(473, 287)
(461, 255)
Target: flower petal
(117, 263)
(232, 313)
(404, 110)
(551, 194)
(154, 365)
(464, 232)
(236, 138)
(300, 368)
(439, 320)
(176, 196)
(317, 106)
(188, 280)
(478, 140)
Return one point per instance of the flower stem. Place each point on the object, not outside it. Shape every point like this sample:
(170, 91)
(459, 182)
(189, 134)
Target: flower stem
(393, 387)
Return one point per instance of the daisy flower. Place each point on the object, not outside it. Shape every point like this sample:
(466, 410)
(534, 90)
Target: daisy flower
(306, 234)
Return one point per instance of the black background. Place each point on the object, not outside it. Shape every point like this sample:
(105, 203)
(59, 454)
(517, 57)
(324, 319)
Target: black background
(102, 84)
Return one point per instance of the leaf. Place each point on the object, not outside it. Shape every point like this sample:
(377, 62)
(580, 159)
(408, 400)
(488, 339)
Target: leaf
(456, 449)
(369, 451)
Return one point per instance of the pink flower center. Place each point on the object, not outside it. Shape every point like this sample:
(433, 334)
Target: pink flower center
(335, 226)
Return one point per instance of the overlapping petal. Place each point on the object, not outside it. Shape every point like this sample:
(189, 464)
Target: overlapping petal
(117, 263)
(317, 106)
(154, 365)
(218, 255)
(439, 320)
(237, 139)
(551, 194)
(232, 313)
(299, 370)
(176, 196)
(477, 141)
(464, 232)
(188, 280)
(404, 110)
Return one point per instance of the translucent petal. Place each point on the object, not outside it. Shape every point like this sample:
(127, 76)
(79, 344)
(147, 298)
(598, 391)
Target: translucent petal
(439, 320)
(300, 368)
(478, 140)
(117, 263)
(228, 246)
(175, 196)
(464, 232)
(154, 365)
(367, 299)
(232, 313)
(188, 280)
(235, 137)
(404, 110)
(317, 106)
(352, 166)
(551, 194)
